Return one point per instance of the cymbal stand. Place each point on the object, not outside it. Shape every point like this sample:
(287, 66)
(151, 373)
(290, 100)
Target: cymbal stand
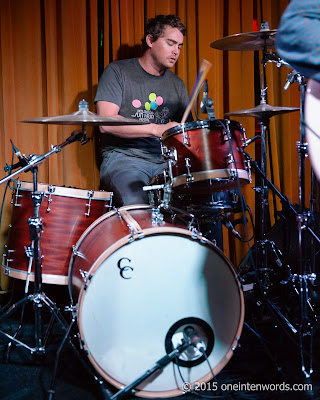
(263, 188)
(303, 217)
(38, 297)
(288, 206)
(304, 276)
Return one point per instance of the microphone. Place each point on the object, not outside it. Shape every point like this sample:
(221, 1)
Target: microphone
(227, 223)
(253, 139)
(22, 159)
(190, 335)
(290, 79)
(203, 104)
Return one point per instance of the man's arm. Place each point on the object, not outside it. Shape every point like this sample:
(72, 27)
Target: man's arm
(107, 109)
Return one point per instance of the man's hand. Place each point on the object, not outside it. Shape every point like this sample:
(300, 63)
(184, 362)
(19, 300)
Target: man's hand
(160, 129)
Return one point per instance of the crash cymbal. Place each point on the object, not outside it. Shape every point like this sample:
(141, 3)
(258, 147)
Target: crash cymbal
(260, 40)
(263, 111)
(84, 118)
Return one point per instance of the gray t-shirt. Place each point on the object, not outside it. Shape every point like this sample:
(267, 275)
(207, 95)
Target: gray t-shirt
(141, 96)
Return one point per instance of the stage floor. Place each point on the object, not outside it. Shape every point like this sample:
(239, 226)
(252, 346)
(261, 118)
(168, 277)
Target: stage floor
(265, 367)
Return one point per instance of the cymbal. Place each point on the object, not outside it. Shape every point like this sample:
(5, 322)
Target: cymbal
(260, 40)
(84, 118)
(263, 111)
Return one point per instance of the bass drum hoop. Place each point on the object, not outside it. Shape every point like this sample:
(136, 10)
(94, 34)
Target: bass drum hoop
(110, 250)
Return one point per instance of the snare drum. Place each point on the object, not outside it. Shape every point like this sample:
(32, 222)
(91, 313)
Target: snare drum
(205, 156)
(139, 280)
(66, 214)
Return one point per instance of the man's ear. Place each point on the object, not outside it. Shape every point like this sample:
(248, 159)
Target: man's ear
(149, 40)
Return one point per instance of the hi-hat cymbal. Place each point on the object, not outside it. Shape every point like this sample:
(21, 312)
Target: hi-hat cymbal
(260, 40)
(84, 118)
(263, 111)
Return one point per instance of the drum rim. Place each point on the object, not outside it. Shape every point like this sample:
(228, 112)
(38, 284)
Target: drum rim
(63, 191)
(215, 174)
(46, 278)
(187, 126)
(206, 378)
(120, 243)
(87, 231)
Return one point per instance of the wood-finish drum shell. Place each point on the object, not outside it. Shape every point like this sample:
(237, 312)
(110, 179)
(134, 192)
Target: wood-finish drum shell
(135, 280)
(206, 156)
(66, 213)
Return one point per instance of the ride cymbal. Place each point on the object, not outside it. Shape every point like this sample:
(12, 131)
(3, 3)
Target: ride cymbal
(263, 111)
(84, 118)
(260, 40)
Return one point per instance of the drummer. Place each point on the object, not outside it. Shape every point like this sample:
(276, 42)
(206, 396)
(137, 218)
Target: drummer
(145, 89)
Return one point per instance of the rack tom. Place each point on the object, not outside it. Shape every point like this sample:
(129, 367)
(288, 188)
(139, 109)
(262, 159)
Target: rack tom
(206, 156)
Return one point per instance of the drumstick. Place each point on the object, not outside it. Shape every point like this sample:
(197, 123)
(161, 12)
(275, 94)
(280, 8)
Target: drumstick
(203, 71)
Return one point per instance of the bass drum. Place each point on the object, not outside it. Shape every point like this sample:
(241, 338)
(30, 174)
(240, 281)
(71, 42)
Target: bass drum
(139, 281)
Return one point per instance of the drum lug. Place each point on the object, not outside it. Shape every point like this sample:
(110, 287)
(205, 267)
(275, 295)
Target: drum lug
(189, 177)
(6, 260)
(51, 190)
(90, 195)
(157, 217)
(237, 345)
(77, 253)
(85, 275)
(247, 167)
(243, 137)
(195, 233)
(16, 195)
(230, 159)
(227, 133)
(134, 235)
(233, 174)
(185, 138)
(170, 155)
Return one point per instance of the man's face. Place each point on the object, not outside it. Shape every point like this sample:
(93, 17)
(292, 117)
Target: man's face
(166, 50)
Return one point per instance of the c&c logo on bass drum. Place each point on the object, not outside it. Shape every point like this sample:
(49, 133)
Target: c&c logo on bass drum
(124, 268)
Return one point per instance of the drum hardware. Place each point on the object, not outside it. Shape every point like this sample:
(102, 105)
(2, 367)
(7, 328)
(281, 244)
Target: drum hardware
(302, 279)
(157, 217)
(17, 196)
(273, 57)
(250, 41)
(51, 190)
(90, 195)
(263, 111)
(228, 224)
(84, 117)
(294, 76)
(185, 137)
(113, 262)
(189, 176)
(159, 366)
(66, 216)
(198, 164)
(38, 298)
(305, 328)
